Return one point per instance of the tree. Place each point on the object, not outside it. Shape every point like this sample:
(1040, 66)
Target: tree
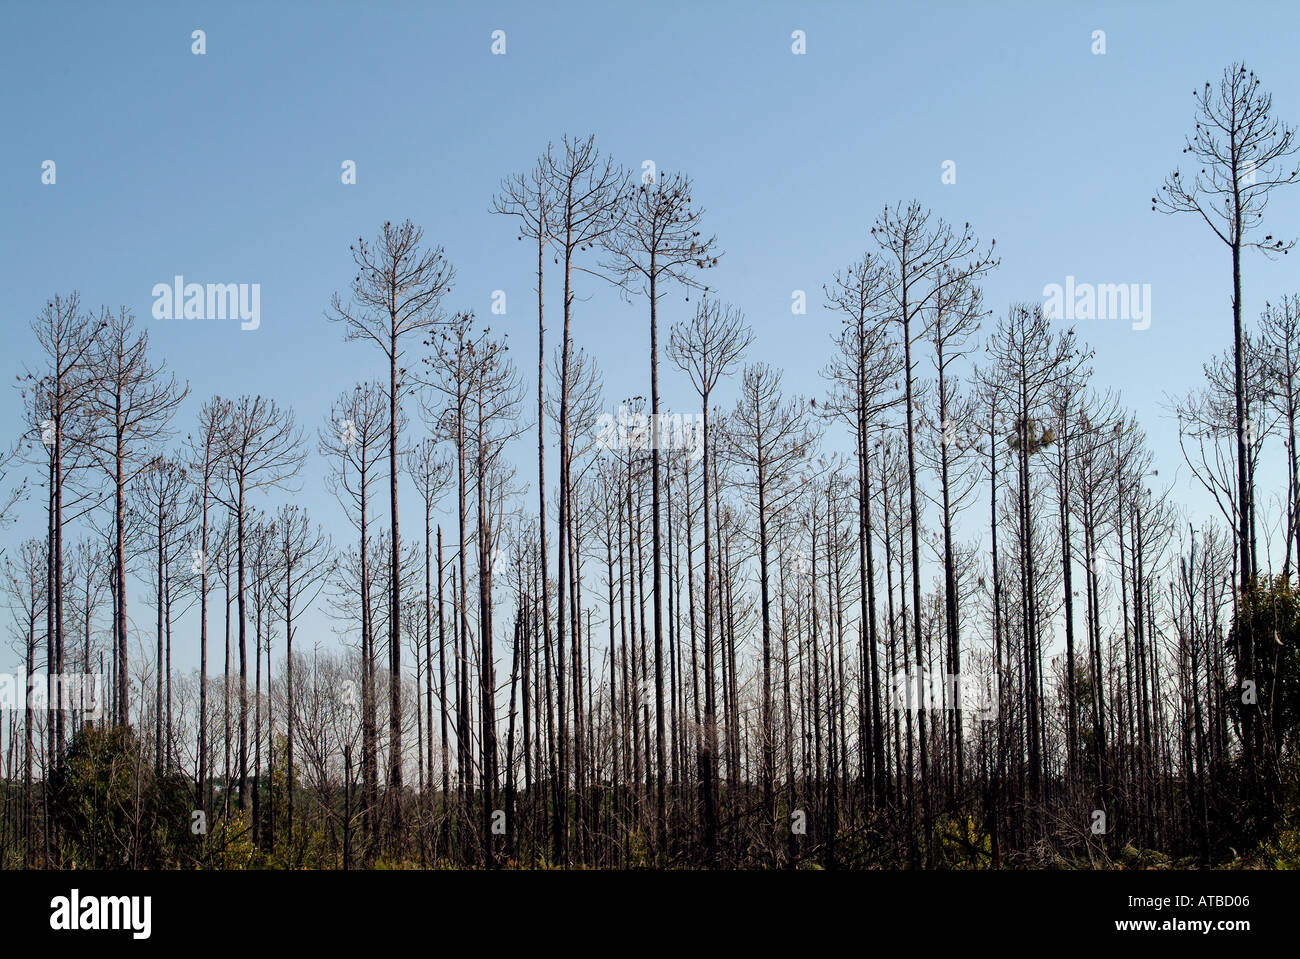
(205, 454)
(588, 198)
(956, 315)
(1030, 367)
(1279, 328)
(60, 392)
(865, 375)
(355, 437)
(1242, 149)
(305, 557)
(926, 262)
(163, 511)
(768, 440)
(658, 243)
(26, 597)
(397, 292)
(452, 364)
(706, 349)
(133, 402)
(494, 395)
(263, 451)
(432, 473)
(533, 199)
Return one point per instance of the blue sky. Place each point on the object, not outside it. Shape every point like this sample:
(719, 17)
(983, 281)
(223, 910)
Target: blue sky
(225, 167)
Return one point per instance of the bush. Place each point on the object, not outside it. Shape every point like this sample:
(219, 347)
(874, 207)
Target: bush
(110, 809)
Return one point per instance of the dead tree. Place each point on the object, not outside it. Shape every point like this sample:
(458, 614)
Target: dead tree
(1279, 335)
(532, 198)
(431, 472)
(588, 192)
(865, 390)
(1241, 149)
(205, 455)
(162, 512)
(133, 402)
(708, 348)
(659, 243)
(26, 597)
(263, 451)
(926, 262)
(768, 439)
(60, 392)
(304, 556)
(397, 292)
(355, 438)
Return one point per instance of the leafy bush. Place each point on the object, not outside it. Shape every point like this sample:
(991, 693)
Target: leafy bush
(111, 810)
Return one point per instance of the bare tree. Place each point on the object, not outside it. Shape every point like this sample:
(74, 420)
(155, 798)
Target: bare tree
(532, 198)
(263, 451)
(397, 292)
(205, 454)
(707, 349)
(1031, 365)
(588, 199)
(926, 262)
(355, 437)
(865, 375)
(659, 243)
(957, 312)
(1242, 150)
(305, 558)
(162, 512)
(768, 440)
(495, 394)
(1279, 328)
(59, 395)
(133, 403)
(431, 472)
(26, 597)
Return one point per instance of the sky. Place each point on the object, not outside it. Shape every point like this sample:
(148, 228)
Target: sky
(225, 167)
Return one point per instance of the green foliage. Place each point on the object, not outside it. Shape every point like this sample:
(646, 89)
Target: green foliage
(1282, 851)
(1038, 437)
(962, 843)
(1282, 848)
(110, 809)
(230, 843)
(1270, 612)
(1131, 857)
(640, 854)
